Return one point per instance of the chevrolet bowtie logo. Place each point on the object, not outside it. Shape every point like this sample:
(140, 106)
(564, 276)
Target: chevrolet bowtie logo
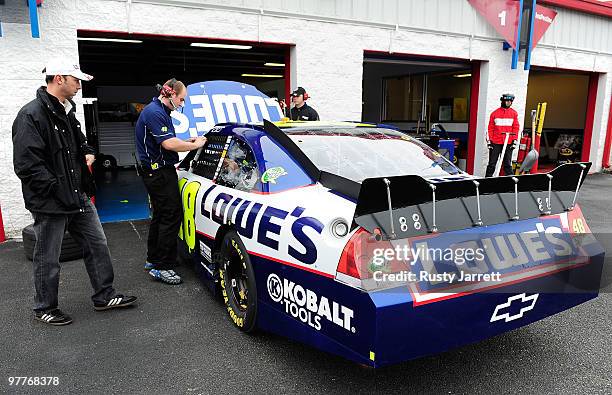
(528, 302)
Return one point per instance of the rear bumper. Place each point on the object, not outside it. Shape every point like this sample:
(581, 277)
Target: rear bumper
(404, 331)
(387, 327)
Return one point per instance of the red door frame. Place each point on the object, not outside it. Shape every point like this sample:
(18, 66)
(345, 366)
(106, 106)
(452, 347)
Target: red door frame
(606, 153)
(2, 234)
(473, 122)
(288, 79)
(590, 117)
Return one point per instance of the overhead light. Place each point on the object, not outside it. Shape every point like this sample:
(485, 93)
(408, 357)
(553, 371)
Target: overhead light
(270, 64)
(263, 75)
(462, 75)
(228, 46)
(114, 40)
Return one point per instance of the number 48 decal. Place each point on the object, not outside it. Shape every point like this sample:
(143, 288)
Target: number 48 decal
(188, 197)
(578, 226)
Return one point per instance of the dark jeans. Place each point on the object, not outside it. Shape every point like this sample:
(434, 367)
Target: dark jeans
(162, 185)
(86, 229)
(494, 154)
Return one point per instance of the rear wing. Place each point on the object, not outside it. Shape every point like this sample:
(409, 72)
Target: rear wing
(408, 206)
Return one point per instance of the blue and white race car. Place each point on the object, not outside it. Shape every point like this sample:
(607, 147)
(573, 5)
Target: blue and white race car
(366, 243)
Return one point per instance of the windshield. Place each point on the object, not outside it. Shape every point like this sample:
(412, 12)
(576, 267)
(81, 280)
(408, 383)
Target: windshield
(360, 153)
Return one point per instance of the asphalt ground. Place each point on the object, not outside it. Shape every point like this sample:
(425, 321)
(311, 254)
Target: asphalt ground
(179, 339)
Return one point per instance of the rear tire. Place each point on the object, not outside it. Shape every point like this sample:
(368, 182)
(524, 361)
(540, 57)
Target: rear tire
(238, 285)
(71, 250)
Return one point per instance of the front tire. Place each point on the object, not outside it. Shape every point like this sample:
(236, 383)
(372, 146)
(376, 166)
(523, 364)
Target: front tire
(238, 286)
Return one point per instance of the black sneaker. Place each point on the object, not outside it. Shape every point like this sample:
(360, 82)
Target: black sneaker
(53, 317)
(116, 301)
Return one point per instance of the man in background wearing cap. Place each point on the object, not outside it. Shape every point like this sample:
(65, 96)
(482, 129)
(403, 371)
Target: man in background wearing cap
(302, 111)
(502, 122)
(51, 157)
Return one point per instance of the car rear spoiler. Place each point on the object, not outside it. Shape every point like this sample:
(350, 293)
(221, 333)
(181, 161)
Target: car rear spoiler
(408, 206)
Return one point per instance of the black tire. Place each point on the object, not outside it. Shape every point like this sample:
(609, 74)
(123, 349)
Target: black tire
(238, 285)
(71, 250)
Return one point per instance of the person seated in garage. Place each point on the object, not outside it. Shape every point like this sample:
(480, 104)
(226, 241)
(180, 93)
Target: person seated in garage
(302, 111)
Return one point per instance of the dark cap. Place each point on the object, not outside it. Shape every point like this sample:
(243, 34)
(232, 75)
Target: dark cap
(298, 91)
(507, 96)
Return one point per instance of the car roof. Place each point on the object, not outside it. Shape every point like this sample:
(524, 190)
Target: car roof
(288, 124)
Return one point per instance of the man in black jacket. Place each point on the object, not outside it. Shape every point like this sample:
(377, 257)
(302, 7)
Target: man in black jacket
(302, 111)
(51, 157)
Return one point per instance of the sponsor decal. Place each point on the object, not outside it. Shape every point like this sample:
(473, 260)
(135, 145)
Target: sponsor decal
(523, 302)
(307, 306)
(544, 18)
(205, 251)
(243, 213)
(272, 174)
(212, 102)
(446, 257)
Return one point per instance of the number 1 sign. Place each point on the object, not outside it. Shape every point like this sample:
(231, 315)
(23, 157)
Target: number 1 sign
(503, 15)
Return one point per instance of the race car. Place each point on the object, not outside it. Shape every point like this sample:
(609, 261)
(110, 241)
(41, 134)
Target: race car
(356, 239)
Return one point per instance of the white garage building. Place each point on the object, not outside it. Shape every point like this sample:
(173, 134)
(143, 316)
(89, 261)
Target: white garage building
(406, 62)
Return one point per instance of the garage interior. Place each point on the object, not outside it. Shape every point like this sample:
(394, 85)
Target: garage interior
(417, 94)
(126, 68)
(563, 135)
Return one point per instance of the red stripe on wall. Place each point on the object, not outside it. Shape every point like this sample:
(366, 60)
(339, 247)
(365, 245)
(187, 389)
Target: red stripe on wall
(587, 6)
(590, 115)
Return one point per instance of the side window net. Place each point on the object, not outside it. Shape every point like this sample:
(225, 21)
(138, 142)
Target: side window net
(207, 163)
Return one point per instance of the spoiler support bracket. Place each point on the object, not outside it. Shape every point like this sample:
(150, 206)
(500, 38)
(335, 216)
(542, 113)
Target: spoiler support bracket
(434, 228)
(388, 184)
(479, 219)
(582, 166)
(516, 208)
(548, 206)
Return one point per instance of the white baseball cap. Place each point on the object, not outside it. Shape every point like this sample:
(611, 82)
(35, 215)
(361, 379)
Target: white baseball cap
(62, 66)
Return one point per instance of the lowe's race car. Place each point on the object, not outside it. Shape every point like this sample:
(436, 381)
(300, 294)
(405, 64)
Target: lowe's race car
(366, 243)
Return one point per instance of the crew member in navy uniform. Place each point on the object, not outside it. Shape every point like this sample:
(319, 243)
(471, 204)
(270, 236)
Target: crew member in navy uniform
(502, 121)
(51, 157)
(302, 111)
(158, 148)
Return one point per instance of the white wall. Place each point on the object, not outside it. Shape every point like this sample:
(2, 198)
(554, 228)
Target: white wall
(327, 59)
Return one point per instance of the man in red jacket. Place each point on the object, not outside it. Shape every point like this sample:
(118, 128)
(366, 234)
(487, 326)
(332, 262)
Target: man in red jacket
(502, 121)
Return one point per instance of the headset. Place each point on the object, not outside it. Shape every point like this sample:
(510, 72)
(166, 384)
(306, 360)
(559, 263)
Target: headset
(167, 90)
(305, 94)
